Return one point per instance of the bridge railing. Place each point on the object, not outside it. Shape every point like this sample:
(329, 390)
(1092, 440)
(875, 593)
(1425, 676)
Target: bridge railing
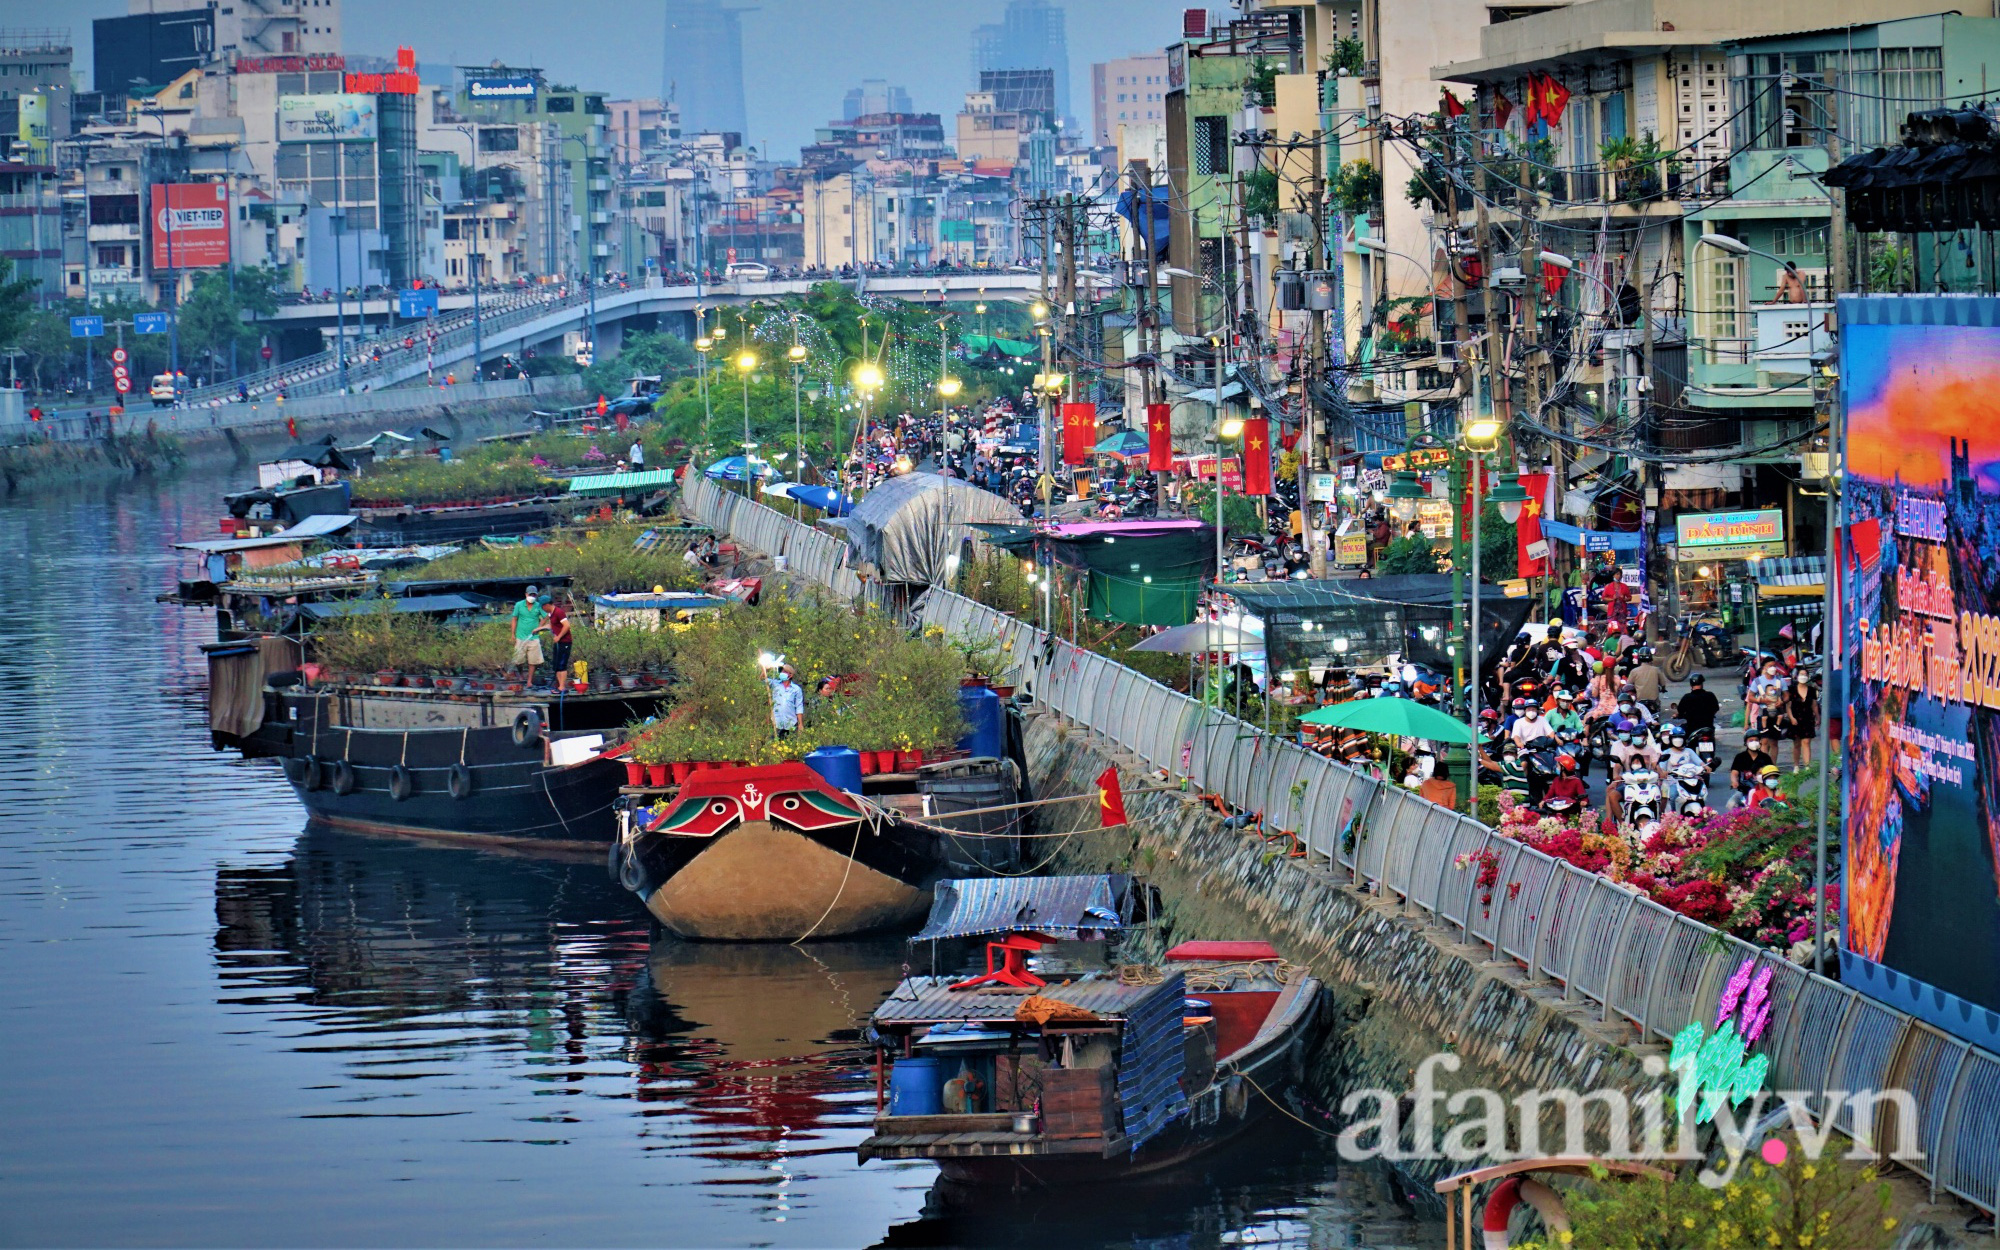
(1605, 944)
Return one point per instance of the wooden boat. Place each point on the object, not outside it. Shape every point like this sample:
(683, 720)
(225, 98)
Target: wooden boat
(1010, 1079)
(522, 767)
(777, 853)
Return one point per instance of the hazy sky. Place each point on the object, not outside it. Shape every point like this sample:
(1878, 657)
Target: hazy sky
(800, 56)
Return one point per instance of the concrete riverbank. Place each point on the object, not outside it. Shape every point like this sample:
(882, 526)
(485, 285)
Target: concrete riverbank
(148, 440)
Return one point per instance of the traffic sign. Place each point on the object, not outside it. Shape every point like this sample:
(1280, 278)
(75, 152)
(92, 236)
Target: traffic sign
(86, 327)
(123, 385)
(151, 323)
(422, 302)
(118, 371)
(119, 356)
(265, 351)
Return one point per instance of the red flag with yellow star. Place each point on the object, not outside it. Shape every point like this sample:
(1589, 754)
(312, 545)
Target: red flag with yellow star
(1532, 556)
(1159, 438)
(1079, 427)
(1257, 456)
(1110, 799)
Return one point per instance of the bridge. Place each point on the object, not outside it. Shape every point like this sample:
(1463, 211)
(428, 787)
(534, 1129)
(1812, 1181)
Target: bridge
(512, 321)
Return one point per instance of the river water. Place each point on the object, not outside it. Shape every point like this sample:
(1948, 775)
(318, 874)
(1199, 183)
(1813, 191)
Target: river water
(221, 1027)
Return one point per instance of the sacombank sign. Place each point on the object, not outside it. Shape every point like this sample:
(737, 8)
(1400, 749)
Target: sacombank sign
(500, 88)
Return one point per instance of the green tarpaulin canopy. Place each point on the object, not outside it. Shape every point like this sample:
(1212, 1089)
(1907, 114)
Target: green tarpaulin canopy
(981, 344)
(1386, 714)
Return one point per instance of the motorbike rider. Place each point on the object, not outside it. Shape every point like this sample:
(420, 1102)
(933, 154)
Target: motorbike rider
(1679, 753)
(1566, 792)
(1765, 791)
(1531, 723)
(1749, 762)
(1491, 740)
(1698, 707)
(1514, 773)
(1564, 720)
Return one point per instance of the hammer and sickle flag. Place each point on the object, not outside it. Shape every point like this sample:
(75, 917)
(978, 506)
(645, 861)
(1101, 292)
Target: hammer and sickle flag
(1110, 799)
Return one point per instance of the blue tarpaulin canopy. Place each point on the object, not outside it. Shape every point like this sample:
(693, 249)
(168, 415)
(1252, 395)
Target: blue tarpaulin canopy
(1133, 205)
(968, 908)
(736, 469)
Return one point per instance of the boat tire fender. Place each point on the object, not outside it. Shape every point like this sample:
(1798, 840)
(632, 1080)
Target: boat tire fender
(295, 770)
(401, 784)
(315, 774)
(461, 782)
(1511, 1193)
(527, 727)
(1236, 1097)
(631, 874)
(340, 777)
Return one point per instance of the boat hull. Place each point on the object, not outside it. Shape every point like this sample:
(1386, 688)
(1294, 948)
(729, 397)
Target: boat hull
(761, 882)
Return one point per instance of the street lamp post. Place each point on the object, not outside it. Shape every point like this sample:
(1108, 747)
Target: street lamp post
(796, 353)
(472, 257)
(703, 346)
(338, 220)
(746, 364)
(947, 388)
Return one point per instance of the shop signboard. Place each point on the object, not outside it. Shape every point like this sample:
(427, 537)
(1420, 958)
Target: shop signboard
(1730, 535)
(1325, 487)
(1918, 623)
(1350, 551)
(1203, 467)
(517, 87)
(334, 117)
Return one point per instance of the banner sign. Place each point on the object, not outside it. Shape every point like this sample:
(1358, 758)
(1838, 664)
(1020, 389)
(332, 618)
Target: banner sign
(319, 62)
(1418, 458)
(1159, 438)
(1203, 467)
(190, 225)
(1730, 535)
(1918, 629)
(1531, 555)
(1350, 551)
(341, 117)
(517, 88)
(1079, 428)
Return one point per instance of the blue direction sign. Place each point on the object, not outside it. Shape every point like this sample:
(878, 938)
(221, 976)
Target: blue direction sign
(422, 302)
(86, 327)
(152, 323)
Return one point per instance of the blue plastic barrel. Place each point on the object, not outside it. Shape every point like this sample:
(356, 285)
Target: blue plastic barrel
(916, 1086)
(988, 735)
(841, 766)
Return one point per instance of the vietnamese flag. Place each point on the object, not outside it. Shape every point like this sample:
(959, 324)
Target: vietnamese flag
(1532, 549)
(1110, 799)
(1159, 438)
(1503, 108)
(1257, 456)
(1550, 97)
(1452, 106)
(1079, 426)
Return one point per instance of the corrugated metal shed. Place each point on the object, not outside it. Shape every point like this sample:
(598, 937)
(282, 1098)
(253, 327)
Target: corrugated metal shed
(969, 908)
(928, 1000)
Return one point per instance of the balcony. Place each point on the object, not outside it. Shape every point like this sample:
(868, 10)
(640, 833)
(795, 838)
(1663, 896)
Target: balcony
(1766, 369)
(115, 233)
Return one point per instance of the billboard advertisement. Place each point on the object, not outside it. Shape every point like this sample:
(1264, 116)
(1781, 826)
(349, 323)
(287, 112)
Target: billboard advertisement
(190, 225)
(339, 117)
(511, 88)
(1920, 648)
(1730, 535)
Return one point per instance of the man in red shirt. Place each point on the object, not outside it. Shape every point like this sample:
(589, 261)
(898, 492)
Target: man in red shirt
(559, 639)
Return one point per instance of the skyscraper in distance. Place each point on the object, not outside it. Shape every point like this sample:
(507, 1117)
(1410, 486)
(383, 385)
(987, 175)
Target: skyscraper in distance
(1031, 34)
(704, 65)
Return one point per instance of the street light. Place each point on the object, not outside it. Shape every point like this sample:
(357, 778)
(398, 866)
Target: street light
(746, 364)
(796, 354)
(1508, 496)
(704, 345)
(949, 387)
(1404, 494)
(1481, 439)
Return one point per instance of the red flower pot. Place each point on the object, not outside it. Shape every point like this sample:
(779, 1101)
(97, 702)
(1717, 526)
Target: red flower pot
(909, 761)
(682, 771)
(656, 775)
(867, 763)
(635, 773)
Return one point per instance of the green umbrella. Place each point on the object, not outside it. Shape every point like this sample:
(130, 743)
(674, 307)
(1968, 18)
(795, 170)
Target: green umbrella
(1386, 714)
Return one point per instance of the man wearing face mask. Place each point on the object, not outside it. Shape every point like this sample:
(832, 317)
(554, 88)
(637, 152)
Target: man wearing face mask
(1532, 724)
(530, 620)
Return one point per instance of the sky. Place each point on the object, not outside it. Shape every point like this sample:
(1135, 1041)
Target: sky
(800, 56)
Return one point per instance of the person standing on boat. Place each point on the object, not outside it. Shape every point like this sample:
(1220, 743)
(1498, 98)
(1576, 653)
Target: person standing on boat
(559, 640)
(529, 620)
(788, 702)
(637, 456)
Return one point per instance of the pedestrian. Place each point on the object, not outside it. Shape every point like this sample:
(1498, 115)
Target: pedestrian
(1762, 696)
(788, 702)
(637, 456)
(559, 640)
(1438, 787)
(530, 621)
(1798, 718)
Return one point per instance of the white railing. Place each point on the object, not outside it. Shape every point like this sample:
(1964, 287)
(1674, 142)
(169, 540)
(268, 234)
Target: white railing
(1606, 944)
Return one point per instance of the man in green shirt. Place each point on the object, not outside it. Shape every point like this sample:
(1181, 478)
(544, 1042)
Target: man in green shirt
(530, 619)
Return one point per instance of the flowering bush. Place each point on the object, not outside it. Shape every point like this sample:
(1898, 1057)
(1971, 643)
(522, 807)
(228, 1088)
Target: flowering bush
(1748, 872)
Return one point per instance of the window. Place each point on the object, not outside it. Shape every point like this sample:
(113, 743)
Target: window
(499, 139)
(114, 210)
(594, 104)
(1211, 145)
(110, 258)
(1804, 241)
(562, 104)
(1719, 305)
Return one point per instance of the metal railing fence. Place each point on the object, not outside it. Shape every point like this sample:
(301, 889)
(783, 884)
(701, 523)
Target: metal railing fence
(1605, 944)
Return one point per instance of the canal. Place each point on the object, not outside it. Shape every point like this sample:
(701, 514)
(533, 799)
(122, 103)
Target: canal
(221, 1027)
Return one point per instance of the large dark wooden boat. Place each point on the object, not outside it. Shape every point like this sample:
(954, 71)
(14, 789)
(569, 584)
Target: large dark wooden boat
(1033, 1076)
(463, 763)
(778, 853)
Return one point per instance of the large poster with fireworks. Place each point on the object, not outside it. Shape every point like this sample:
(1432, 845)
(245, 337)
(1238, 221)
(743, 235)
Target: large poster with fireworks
(1920, 632)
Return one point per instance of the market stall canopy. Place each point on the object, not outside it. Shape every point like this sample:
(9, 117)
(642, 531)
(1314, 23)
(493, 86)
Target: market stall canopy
(972, 908)
(910, 526)
(824, 498)
(306, 530)
(318, 455)
(621, 483)
(1123, 444)
(1409, 614)
(1387, 714)
(992, 345)
(1019, 539)
(1200, 636)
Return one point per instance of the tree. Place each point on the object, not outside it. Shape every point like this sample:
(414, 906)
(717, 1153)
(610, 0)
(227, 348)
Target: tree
(661, 354)
(1407, 555)
(213, 316)
(17, 302)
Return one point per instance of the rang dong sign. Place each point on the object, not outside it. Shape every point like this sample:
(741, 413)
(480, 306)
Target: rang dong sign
(333, 118)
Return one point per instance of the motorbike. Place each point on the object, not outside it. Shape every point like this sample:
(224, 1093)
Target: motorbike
(1551, 806)
(1703, 742)
(1540, 755)
(1598, 739)
(1642, 799)
(1690, 783)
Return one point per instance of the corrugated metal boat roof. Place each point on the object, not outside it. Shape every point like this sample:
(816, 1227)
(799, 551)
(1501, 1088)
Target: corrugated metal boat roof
(928, 1000)
(969, 908)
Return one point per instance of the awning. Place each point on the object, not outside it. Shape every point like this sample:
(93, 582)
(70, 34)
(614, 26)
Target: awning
(1025, 905)
(307, 529)
(619, 483)
(439, 605)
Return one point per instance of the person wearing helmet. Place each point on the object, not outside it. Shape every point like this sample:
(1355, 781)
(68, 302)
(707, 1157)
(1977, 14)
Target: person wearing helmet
(1765, 791)
(1565, 720)
(1567, 791)
(1514, 773)
(1530, 723)
(1679, 753)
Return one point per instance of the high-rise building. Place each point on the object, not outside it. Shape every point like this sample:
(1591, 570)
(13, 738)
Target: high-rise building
(1127, 92)
(704, 66)
(875, 95)
(1031, 34)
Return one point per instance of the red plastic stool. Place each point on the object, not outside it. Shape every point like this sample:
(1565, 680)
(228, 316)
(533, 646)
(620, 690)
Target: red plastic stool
(1014, 950)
